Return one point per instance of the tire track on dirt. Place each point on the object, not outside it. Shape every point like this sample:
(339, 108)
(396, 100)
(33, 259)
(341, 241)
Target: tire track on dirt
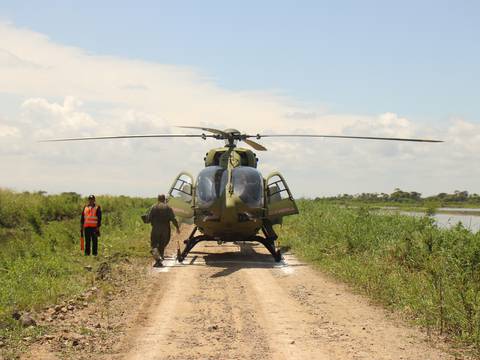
(346, 325)
(219, 324)
(151, 337)
(234, 303)
(286, 324)
(207, 312)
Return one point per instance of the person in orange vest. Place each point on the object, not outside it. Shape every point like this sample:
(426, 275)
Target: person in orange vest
(90, 223)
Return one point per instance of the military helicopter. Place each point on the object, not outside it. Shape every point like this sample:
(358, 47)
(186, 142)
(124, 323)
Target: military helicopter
(230, 200)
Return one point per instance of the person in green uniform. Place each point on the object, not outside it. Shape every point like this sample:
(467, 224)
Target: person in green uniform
(160, 216)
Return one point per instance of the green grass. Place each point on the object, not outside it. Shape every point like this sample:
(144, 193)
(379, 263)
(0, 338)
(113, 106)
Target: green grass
(408, 264)
(40, 258)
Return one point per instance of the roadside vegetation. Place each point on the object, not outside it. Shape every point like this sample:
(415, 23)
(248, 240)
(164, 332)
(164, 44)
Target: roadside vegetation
(40, 258)
(431, 275)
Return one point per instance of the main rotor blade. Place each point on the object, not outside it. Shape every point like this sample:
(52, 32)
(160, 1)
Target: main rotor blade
(214, 131)
(129, 137)
(255, 145)
(259, 136)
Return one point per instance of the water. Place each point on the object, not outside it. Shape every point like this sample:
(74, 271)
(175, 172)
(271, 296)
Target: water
(465, 210)
(471, 222)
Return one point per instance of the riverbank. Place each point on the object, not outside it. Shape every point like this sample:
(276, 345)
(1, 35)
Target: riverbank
(421, 205)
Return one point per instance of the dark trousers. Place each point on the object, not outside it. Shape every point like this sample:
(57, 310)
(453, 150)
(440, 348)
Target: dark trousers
(91, 238)
(159, 239)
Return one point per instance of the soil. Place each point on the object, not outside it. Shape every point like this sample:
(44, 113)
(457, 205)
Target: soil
(229, 301)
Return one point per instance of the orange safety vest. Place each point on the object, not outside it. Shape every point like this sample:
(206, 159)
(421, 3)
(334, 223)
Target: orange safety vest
(90, 218)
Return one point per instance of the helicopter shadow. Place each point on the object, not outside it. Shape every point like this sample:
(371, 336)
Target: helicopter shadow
(232, 261)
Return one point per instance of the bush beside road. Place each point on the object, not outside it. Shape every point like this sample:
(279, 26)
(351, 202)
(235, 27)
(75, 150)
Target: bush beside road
(40, 259)
(432, 275)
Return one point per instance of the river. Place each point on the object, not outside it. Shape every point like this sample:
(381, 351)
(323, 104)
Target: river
(446, 220)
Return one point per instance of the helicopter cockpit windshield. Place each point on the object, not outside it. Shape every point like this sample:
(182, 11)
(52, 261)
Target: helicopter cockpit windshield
(248, 185)
(211, 184)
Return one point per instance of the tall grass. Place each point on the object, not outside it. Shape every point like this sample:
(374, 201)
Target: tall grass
(407, 263)
(19, 210)
(40, 258)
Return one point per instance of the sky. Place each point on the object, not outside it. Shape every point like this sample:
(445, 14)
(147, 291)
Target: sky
(381, 68)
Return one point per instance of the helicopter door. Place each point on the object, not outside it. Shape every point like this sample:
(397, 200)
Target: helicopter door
(180, 197)
(279, 199)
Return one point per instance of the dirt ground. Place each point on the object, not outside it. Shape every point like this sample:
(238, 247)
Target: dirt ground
(231, 302)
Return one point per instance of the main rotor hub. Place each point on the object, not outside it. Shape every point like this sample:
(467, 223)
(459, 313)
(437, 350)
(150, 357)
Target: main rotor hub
(232, 137)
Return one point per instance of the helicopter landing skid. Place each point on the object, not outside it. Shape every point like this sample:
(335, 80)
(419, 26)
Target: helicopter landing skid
(190, 244)
(268, 242)
(270, 245)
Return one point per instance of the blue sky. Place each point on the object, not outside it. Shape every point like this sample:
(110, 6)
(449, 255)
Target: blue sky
(416, 58)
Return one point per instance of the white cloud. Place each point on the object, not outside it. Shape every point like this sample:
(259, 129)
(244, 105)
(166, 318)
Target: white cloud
(8, 131)
(9, 138)
(7, 59)
(466, 136)
(53, 119)
(66, 92)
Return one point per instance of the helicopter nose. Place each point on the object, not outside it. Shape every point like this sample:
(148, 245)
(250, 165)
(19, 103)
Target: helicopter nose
(229, 213)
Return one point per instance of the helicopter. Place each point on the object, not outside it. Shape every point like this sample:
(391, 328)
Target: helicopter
(230, 200)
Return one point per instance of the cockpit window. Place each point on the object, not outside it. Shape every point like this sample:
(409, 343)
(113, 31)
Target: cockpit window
(211, 184)
(248, 185)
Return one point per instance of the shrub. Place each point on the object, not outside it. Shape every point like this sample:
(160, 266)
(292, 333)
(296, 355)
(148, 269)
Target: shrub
(406, 262)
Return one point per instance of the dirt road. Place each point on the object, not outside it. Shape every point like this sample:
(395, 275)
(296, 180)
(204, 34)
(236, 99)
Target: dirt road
(234, 302)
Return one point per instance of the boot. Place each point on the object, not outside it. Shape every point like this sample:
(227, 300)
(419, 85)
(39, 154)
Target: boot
(158, 263)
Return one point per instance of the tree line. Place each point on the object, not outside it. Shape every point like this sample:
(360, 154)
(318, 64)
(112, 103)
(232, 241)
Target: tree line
(400, 196)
